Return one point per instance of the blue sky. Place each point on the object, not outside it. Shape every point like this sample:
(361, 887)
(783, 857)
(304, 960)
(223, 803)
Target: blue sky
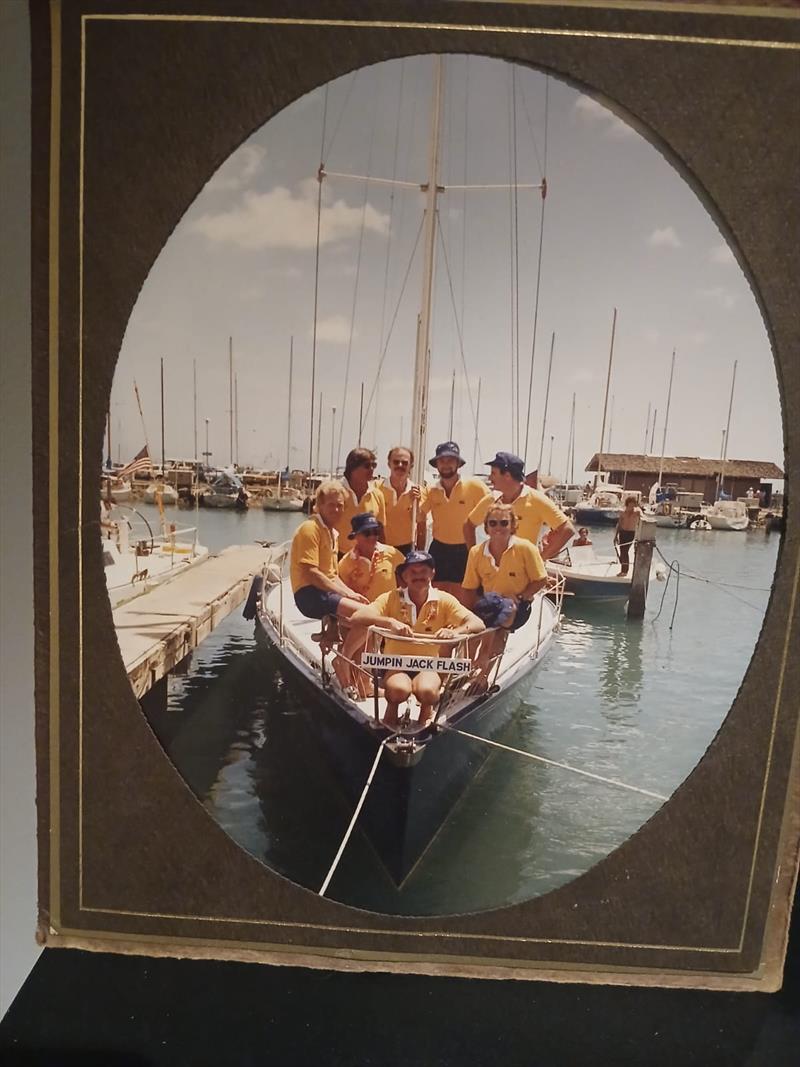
(622, 229)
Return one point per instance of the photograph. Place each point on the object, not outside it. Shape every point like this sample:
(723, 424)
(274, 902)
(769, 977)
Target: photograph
(442, 487)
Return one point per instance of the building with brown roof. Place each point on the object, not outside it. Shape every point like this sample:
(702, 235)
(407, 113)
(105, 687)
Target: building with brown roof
(687, 472)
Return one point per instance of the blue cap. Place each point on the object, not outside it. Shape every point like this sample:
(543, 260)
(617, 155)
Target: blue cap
(507, 461)
(415, 556)
(447, 450)
(365, 522)
(495, 610)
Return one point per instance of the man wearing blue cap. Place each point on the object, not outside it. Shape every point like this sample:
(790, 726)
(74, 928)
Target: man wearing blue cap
(416, 610)
(449, 502)
(532, 508)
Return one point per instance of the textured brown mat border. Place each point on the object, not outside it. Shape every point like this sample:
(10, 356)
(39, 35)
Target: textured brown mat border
(119, 124)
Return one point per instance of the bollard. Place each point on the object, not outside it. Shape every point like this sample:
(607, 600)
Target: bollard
(645, 542)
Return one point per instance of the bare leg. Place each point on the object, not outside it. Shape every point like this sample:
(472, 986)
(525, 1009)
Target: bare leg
(427, 687)
(396, 688)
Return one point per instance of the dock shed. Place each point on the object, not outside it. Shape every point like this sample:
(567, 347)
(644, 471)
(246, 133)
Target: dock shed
(690, 473)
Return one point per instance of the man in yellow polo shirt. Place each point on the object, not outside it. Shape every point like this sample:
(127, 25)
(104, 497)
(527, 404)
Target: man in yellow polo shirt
(369, 566)
(449, 502)
(318, 589)
(361, 494)
(400, 495)
(532, 508)
(416, 608)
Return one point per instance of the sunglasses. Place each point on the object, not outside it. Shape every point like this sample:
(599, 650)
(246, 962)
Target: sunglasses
(399, 462)
(498, 522)
(369, 466)
(368, 533)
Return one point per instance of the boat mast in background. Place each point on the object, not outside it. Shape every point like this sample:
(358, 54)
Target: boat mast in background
(163, 449)
(666, 420)
(721, 481)
(605, 401)
(422, 360)
(546, 400)
(230, 394)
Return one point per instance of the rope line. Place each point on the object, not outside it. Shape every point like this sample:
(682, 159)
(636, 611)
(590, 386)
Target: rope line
(555, 763)
(356, 813)
(327, 151)
(316, 279)
(723, 587)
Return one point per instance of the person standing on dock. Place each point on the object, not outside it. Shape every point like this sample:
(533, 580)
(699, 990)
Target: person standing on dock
(400, 495)
(532, 507)
(318, 589)
(361, 494)
(626, 531)
(449, 502)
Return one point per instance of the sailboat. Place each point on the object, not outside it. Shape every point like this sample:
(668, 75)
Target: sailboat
(286, 498)
(413, 773)
(161, 493)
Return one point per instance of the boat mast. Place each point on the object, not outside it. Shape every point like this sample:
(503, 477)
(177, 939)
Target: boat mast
(666, 420)
(721, 485)
(569, 473)
(647, 426)
(477, 418)
(230, 393)
(422, 366)
(546, 400)
(452, 405)
(288, 416)
(163, 450)
(605, 401)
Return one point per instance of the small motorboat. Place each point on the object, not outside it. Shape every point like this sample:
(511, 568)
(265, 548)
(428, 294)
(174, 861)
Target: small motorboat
(596, 578)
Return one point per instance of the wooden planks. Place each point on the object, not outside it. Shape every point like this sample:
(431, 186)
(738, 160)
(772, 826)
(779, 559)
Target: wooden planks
(160, 628)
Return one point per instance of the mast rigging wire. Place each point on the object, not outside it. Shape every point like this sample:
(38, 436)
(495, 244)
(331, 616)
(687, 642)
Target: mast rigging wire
(327, 151)
(316, 280)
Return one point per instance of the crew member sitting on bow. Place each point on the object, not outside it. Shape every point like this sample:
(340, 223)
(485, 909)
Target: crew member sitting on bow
(318, 589)
(510, 572)
(531, 506)
(449, 502)
(400, 495)
(361, 494)
(415, 609)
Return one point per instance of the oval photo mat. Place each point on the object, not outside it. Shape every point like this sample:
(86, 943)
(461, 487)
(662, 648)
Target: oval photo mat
(629, 707)
(147, 883)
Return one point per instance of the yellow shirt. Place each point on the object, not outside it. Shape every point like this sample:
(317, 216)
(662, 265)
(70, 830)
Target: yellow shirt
(451, 512)
(439, 610)
(374, 576)
(532, 508)
(313, 545)
(372, 501)
(520, 565)
(397, 527)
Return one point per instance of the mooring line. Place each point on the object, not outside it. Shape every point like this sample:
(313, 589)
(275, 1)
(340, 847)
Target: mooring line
(359, 806)
(555, 763)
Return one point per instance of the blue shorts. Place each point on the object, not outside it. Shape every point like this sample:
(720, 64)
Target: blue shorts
(315, 603)
(450, 560)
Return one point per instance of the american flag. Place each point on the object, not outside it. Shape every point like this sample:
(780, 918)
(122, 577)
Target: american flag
(140, 462)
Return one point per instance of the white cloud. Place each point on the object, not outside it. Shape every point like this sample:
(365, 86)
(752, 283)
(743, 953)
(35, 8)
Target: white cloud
(721, 254)
(719, 295)
(283, 219)
(590, 111)
(664, 238)
(238, 169)
(335, 328)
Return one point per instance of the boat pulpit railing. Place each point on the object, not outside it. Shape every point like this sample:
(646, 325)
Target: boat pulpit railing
(273, 573)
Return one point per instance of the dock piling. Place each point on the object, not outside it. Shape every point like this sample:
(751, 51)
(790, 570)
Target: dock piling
(645, 543)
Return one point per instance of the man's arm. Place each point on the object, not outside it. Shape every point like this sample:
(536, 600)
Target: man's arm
(370, 616)
(532, 588)
(556, 539)
(469, 534)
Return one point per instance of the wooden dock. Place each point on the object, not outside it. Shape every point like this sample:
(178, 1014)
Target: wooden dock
(159, 629)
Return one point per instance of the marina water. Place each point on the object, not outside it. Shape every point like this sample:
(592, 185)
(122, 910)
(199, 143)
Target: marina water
(636, 702)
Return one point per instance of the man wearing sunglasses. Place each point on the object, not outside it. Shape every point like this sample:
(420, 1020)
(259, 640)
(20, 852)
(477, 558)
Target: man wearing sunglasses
(369, 566)
(532, 508)
(361, 494)
(400, 495)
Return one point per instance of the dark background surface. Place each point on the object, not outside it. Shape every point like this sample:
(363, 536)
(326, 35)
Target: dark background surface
(81, 1008)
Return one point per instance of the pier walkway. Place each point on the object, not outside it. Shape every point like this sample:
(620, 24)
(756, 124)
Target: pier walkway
(157, 630)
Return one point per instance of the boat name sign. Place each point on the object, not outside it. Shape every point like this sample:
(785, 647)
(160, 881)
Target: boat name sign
(443, 665)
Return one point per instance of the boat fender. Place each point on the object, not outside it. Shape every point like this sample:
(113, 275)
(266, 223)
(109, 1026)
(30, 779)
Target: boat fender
(251, 604)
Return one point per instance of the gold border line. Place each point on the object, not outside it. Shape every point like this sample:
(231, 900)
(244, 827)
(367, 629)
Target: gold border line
(54, 682)
(653, 7)
(55, 178)
(529, 31)
(778, 698)
(80, 461)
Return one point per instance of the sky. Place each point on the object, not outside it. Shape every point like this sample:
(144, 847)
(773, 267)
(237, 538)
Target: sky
(622, 229)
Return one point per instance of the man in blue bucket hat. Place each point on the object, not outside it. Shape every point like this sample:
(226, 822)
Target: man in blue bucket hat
(449, 502)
